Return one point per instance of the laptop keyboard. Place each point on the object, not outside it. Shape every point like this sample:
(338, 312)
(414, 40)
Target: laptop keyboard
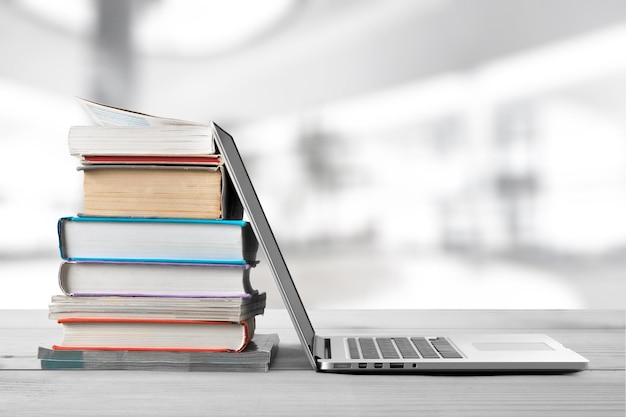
(403, 347)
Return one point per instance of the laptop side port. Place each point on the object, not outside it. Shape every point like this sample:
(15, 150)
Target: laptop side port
(378, 365)
(342, 365)
(362, 365)
(393, 365)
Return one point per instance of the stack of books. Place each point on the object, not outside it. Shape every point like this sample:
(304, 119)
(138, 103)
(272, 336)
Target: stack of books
(155, 270)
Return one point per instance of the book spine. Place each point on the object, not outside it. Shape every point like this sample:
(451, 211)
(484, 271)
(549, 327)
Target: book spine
(231, 205)
(250, 243)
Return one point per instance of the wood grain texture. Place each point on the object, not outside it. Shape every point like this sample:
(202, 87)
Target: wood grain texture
(292, 388)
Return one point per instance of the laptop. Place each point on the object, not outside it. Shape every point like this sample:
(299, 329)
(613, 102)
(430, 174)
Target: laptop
(433, 353)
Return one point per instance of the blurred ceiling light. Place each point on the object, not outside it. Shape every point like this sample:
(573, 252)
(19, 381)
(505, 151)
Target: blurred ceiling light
(170, 27)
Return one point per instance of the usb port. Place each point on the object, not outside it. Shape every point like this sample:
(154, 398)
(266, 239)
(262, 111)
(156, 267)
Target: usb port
(396, 365)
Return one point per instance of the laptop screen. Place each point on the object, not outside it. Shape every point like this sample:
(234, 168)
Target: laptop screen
(252, 205)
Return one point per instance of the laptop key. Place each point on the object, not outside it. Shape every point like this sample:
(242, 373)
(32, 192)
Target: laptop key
(445, 349)
(368, 348)
(353, 349)
(424, 348)
(387, 349)
(406, 349)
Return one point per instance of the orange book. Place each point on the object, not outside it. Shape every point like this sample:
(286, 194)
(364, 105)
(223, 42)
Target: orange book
(154, 335)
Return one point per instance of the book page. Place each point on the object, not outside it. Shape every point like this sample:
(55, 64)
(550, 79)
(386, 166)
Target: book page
(104, 115)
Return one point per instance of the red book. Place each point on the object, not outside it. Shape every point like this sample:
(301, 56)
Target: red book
(154, 335)
(153, 159)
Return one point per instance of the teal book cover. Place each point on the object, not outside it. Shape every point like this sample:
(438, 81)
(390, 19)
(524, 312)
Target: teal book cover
(134, 239)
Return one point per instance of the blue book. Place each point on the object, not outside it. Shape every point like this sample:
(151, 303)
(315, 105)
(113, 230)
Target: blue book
(129, 239)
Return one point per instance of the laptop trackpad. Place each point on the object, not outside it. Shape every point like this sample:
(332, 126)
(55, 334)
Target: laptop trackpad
(512, 346)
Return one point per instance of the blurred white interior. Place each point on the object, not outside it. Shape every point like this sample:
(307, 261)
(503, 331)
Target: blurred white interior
(436, 154)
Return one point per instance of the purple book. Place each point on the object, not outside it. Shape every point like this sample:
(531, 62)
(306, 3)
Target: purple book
(155, 279)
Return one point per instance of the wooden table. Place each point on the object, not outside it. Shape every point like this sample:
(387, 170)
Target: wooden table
(292, 388)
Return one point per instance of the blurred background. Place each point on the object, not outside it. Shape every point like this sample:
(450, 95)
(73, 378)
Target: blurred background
(409, 154)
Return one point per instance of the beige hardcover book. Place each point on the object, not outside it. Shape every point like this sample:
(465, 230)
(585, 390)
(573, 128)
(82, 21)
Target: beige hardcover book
(199, 192)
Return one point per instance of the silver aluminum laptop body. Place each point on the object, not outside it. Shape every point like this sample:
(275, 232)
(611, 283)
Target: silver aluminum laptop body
(473, 353)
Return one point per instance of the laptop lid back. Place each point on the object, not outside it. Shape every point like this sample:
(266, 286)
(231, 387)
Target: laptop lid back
(267, 241)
